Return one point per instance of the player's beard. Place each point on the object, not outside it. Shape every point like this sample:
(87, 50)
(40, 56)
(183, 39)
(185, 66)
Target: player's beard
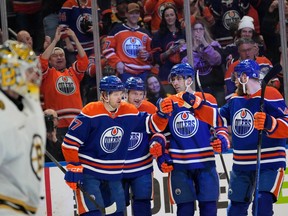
(239, 90)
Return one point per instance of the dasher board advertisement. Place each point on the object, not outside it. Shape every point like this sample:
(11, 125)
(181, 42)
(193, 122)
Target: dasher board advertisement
(58, 199)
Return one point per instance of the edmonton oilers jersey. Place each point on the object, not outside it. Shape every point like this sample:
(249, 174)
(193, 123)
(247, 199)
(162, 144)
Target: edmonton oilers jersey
(239, 113)
(100, 139)
(123, 44)
(190, 140)
(72, 16)
(138, 160)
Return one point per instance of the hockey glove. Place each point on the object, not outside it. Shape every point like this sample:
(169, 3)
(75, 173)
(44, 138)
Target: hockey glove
(74, 175)
(219, 143)
(178, 100)
(165, 107)
(191, 99)
(263, 121)
(157, 145)
(165, 163)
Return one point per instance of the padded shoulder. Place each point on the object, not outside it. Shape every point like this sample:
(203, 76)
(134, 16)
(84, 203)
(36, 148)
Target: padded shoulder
(94, 108)
(148, 107)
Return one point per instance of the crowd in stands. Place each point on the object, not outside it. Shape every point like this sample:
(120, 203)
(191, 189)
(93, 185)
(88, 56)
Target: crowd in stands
(144, 39)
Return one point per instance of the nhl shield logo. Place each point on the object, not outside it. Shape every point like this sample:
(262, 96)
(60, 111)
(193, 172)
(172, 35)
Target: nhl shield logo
(185, 125)
(243, 123)
(111, 139)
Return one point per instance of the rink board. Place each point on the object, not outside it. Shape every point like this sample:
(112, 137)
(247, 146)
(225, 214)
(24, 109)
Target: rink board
(57, 197)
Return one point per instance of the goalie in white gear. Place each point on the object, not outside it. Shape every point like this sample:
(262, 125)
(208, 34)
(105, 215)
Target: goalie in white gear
(22, 129)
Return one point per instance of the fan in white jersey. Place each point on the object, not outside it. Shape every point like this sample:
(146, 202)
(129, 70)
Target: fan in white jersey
(22, 129)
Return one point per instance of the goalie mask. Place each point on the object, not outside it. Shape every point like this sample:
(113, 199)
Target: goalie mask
(19, 69)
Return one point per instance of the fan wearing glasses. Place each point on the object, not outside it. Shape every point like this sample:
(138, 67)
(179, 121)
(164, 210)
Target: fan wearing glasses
(207, 61)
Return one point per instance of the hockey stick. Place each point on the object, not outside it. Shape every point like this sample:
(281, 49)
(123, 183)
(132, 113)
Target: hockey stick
(199, 85)
(214, 133)
(108, 210)
(272, 73)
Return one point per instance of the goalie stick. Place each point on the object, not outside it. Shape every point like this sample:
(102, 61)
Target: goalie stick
(272, 73)
(108, 210)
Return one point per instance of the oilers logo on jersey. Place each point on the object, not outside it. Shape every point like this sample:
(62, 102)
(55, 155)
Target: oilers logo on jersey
(185, 125)
(111, 139)
(135, 140)
(65, 85)
(230, 17)
(131, 46)
(81, 18)
(242, 125)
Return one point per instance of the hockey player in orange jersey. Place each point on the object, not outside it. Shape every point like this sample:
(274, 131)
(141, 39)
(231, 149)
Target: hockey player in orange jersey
(97, 142)
(190, 151)
(138, 166)
(242, 113)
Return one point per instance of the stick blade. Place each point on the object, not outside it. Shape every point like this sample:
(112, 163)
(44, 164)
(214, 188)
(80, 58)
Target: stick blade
(111, 209)
(272, 73)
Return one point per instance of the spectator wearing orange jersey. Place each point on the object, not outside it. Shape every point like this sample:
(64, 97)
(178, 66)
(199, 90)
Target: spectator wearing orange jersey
(60, 85)
(127, 47)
